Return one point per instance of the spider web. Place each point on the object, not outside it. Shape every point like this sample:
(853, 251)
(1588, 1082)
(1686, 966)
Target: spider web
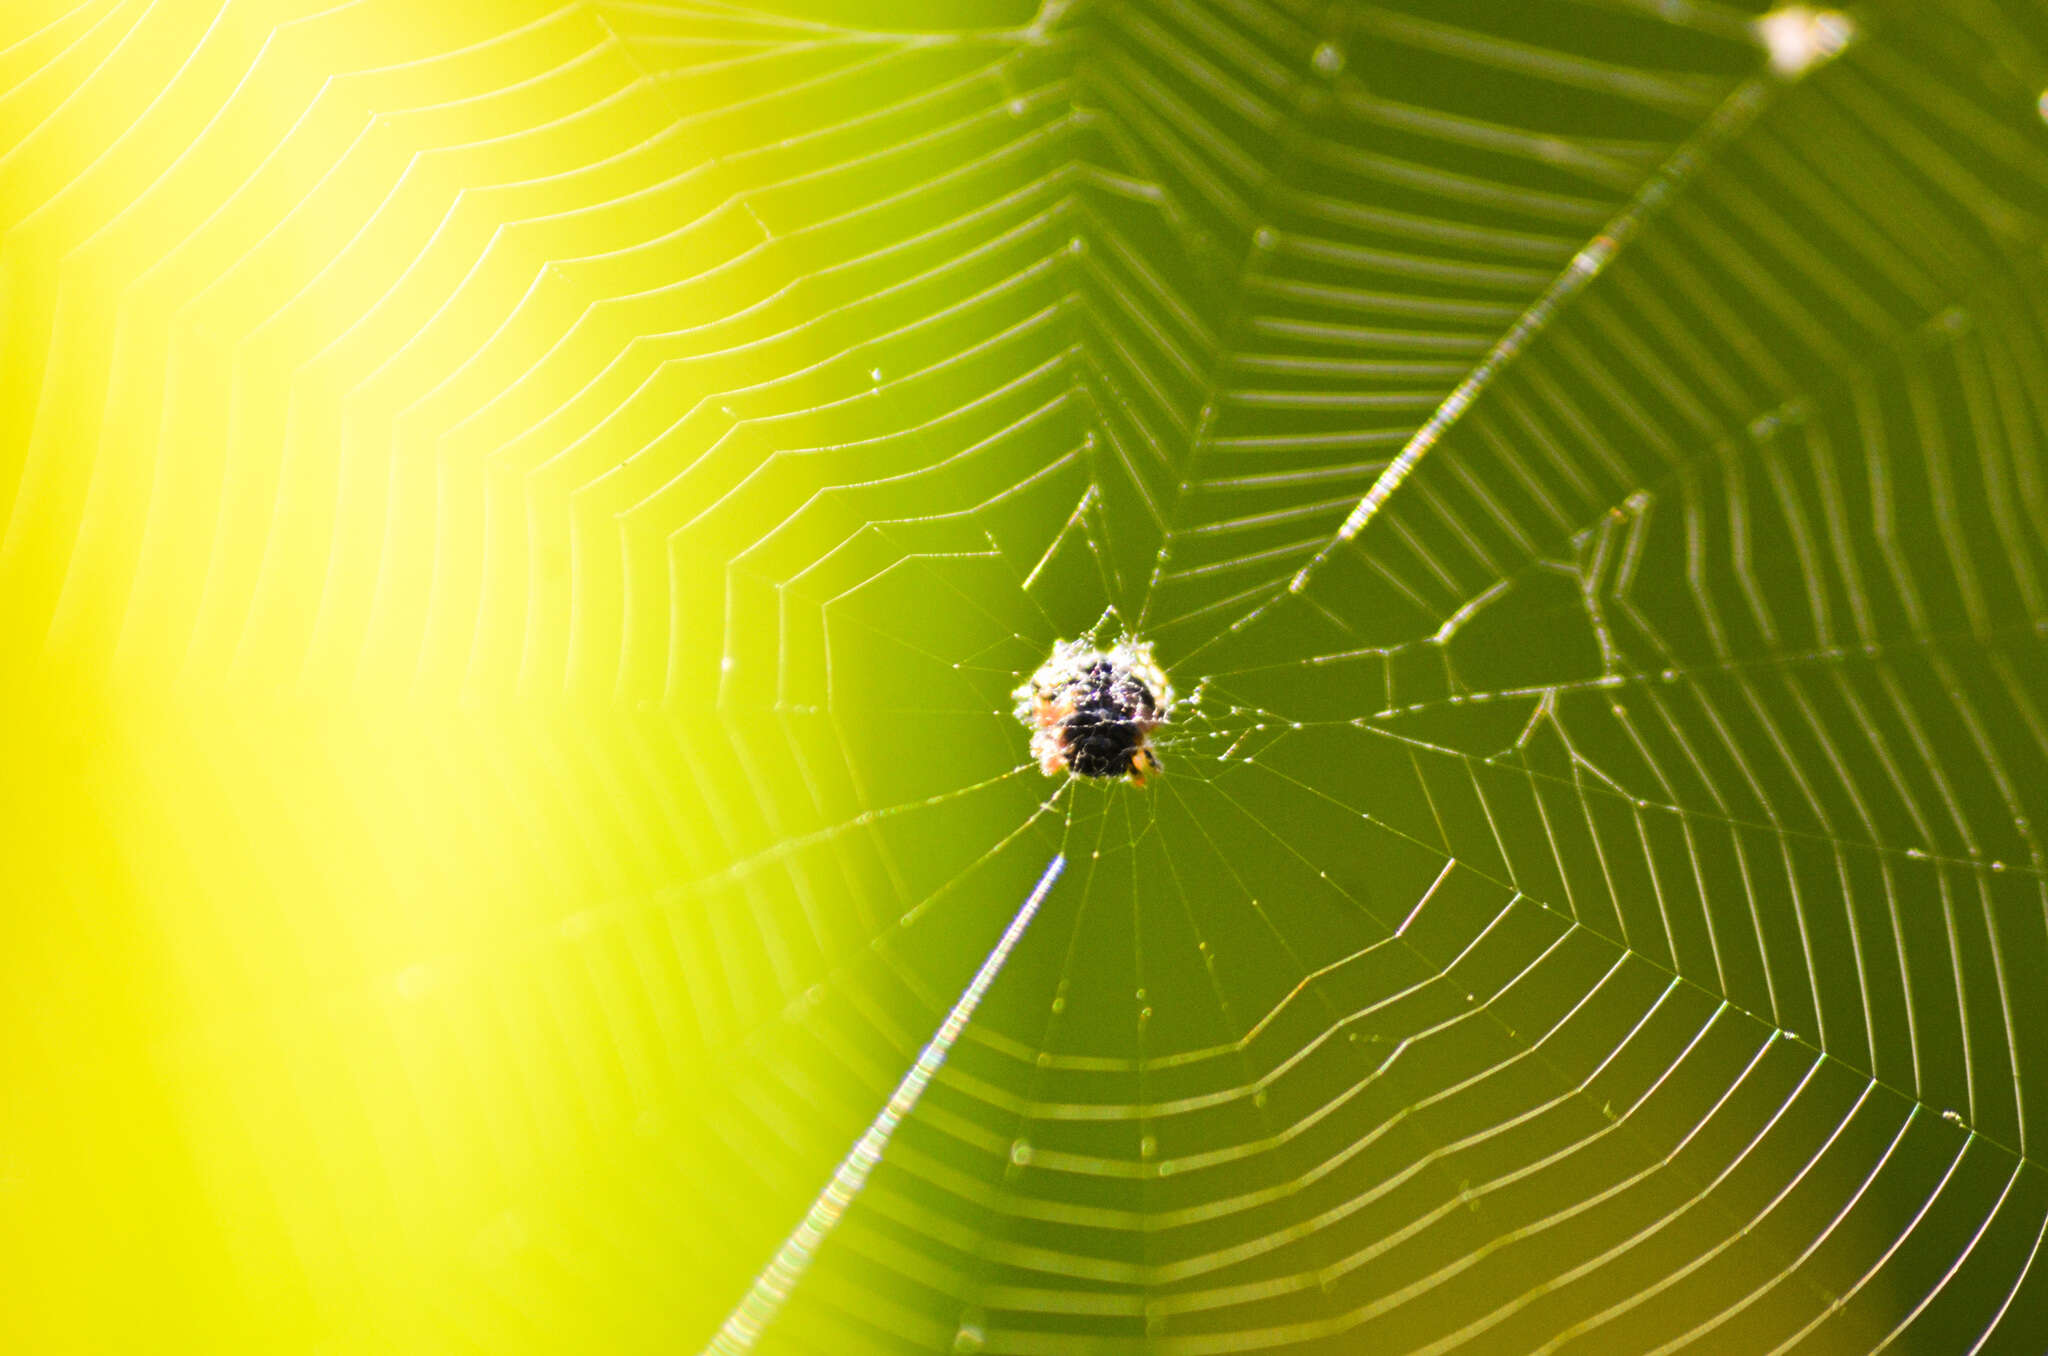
(1589, 482)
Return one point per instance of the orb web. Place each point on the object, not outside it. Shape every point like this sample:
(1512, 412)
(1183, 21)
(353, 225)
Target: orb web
(1582, 466)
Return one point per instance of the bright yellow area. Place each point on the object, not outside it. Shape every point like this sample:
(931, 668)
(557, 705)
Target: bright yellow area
(380, 389)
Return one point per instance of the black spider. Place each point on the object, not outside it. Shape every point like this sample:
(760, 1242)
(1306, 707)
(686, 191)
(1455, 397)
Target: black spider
(1093, 714)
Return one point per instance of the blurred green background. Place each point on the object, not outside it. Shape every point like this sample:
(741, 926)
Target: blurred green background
(521, 523)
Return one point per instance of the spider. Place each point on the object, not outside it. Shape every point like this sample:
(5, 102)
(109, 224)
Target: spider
(1092, 712)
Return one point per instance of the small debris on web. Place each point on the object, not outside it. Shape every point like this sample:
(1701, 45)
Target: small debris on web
(1799, 37)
